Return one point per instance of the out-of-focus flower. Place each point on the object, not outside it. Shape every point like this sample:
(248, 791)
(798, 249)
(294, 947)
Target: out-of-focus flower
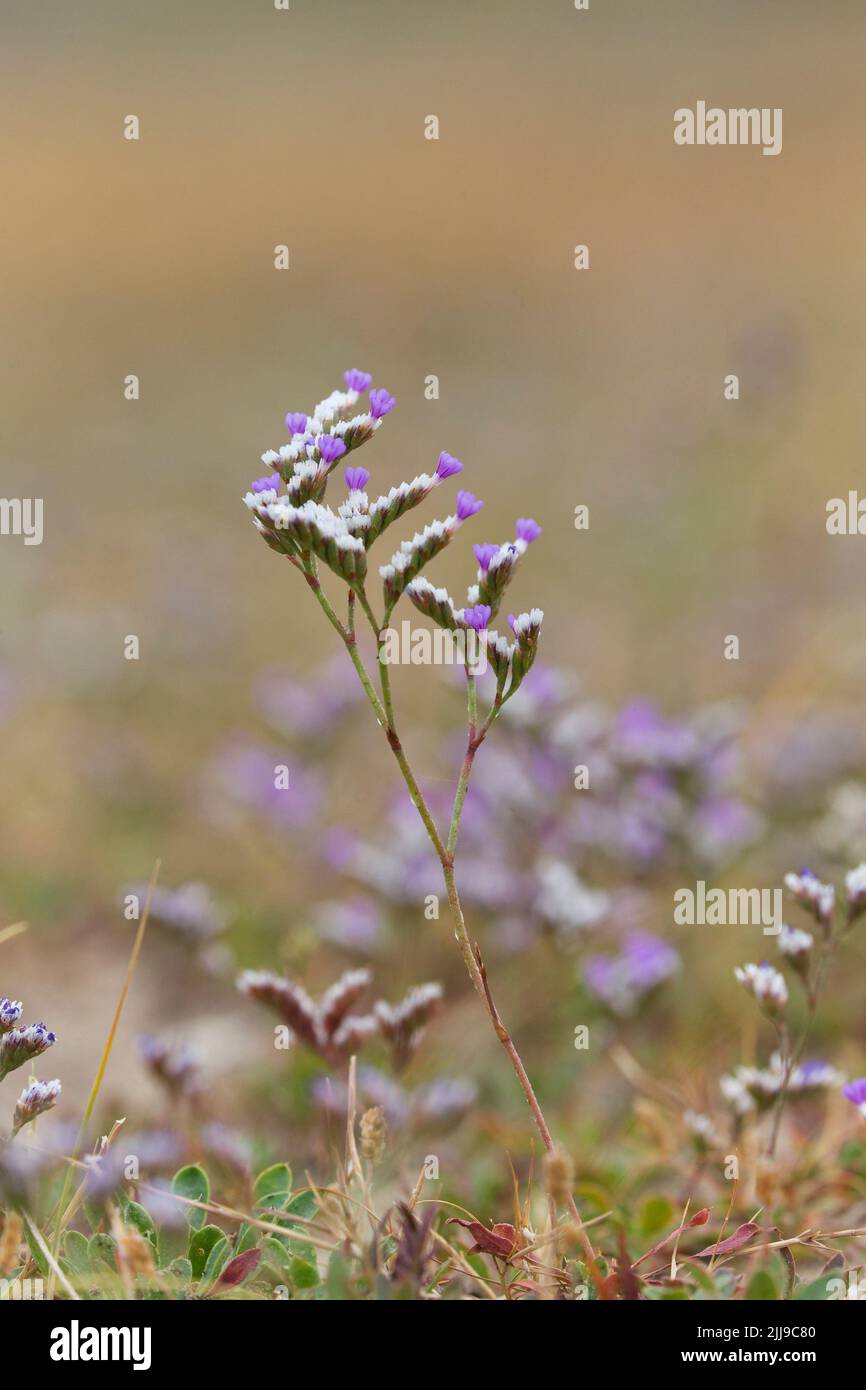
(563, 900)
(527, 530)
(855, 892)
(356, 924)
(437, 1104)
(750, 1088)
(189, 910)
(296, 422)
(766, 984)
(796, 946)
(855, 1091)
(794, 942)
(703, 1131)
(33, 1101)
(816, 897)
(227, 1146)
(402, 1025)
(357, 381)
(176, 1065)
(621, 982)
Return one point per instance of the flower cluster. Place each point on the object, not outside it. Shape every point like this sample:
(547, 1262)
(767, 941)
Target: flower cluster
(33, 1101)
(330, 1028)
(438, 1103)
(757, 1088)
(18, 1046)
(621, 982)
(176, 1066)
(290, 512)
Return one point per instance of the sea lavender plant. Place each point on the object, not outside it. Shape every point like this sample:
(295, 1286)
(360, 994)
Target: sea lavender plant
(295, 521)
(810, 957)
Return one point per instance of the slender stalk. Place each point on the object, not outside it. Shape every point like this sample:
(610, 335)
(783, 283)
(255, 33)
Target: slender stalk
(445, 852)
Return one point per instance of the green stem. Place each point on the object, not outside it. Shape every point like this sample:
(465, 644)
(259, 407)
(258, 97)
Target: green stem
(472, 958)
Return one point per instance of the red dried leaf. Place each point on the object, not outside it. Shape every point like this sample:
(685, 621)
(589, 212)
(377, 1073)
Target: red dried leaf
(700, 1218)
(237, 1269)
(501, 1240)
(742, 1235)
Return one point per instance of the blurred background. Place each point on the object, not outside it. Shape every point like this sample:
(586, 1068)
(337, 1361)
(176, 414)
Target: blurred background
(412, 258)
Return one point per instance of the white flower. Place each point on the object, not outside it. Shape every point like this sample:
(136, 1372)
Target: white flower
(735, 1093)
(564, 900)
(766, 983)
(702, 1128)
(817, 897)
(794, 942)
(855, 887)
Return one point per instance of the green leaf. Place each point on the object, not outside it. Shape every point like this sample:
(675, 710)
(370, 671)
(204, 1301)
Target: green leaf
(136, 1216)
(762, 1288)
(215, 1260)
(76, 1249)
(246, 1238)
(201, 1243)
(181, 1270)
(192, 1182)
(822, 1290)
(103, 1248)
(41, 1262)
(303, 1274)
(273, 1186)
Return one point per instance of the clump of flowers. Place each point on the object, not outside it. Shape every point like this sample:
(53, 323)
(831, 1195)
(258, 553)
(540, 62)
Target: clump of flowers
(855, 1091)
(18, 1046)
(331, 1029)
(787, 1076)
(625, 980)
(177, 1066)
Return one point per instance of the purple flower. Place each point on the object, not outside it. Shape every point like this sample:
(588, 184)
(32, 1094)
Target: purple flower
(448, 465)
(330, 447)
(265, 484)
(10, 1012)
(357, 381)
(33, 1101)
(467, 505)
(484, 554)
(357, 479)
(526, 529)
(855, 1091)
(380, 403)
(477, 617)
(296, 422)
(20, 1045)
